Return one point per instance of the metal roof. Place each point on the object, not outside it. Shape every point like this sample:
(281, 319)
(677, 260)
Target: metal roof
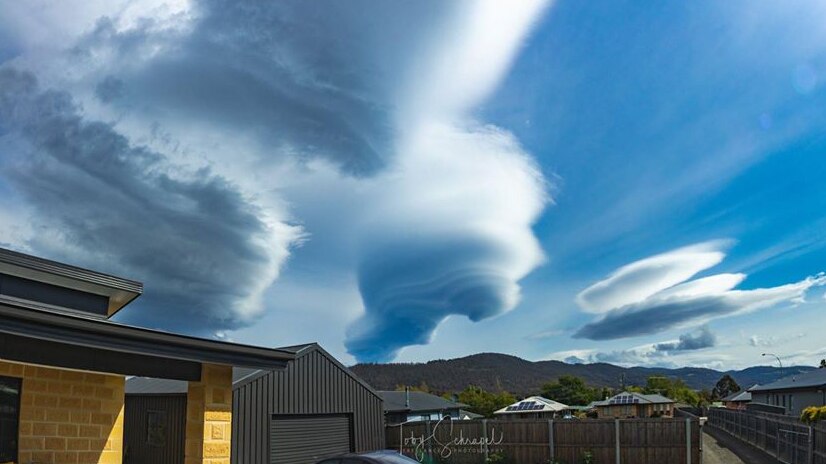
(533, 404)
(150, 386)
(240, 375)
(812, 379)
(34, 321)
(633, 398)
(396, 401)
(120, 291)
(742, 395)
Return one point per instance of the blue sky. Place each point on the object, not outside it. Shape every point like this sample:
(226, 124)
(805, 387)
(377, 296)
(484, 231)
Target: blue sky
(583, 181)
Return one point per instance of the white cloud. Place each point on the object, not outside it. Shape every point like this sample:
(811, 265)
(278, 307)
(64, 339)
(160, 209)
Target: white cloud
(641, 279)
(316, 118)
(653, 295)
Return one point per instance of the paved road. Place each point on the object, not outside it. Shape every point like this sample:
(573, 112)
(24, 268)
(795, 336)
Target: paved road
(721, 448)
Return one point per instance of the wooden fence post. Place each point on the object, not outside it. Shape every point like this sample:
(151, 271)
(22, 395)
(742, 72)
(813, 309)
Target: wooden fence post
(617, 439)
(687, 440)
(485, 437)
(551, 449)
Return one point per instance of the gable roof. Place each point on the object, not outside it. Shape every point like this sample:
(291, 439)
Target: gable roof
(633, 398)
(533, 404)
(396, 401)
(742, 395)
(812, 379)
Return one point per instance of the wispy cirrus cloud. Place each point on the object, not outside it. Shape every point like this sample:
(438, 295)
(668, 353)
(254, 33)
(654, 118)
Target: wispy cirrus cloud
(654, 294)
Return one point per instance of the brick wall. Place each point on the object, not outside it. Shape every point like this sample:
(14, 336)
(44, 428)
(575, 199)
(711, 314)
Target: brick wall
(67, 416)
(209, 417)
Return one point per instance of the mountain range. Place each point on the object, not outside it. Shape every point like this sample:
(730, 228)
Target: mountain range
(497, 372)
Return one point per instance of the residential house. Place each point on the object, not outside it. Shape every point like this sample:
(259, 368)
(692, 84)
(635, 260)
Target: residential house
(406, 406)
(533, 407)
(793, 394)
(63, 366)
(630, 404)
(737, 400)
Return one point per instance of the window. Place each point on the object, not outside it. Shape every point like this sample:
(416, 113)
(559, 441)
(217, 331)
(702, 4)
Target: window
(9, 418)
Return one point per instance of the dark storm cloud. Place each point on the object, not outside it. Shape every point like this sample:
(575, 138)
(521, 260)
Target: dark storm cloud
(305, 79)
(703, 338)
(99, 201)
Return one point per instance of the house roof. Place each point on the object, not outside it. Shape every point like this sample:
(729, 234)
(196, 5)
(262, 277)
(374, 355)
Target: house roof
(812, 379)
(396, 401)
(118, 290)
(240, 375)
(463, 414)
(633, 398)
(742, 395)
(533, 404)
(49, 315)
(31, 324)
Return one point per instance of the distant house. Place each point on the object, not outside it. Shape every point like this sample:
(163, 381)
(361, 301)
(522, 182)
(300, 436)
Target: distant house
(533, 407)
(737, 400)
(628, 404)
(793, 394)
(405, 406)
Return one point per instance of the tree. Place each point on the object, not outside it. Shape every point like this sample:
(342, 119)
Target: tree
(571, 390)
(725, 387)
(823, 363)
(484, 402)
(674, 389)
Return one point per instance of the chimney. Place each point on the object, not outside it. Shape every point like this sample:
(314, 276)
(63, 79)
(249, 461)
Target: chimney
(406, 397)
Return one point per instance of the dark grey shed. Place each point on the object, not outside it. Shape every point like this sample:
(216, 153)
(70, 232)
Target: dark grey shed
(314, 408)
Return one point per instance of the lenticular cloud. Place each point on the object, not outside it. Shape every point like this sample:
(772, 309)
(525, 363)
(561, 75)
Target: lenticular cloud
(449, 229)
(458, 247)
(655, 294)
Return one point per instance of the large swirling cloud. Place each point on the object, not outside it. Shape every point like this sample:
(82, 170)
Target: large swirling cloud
(291, 107)
(205, 252)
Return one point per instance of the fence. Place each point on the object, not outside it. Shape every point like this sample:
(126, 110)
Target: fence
(783, 437)
(624, 441)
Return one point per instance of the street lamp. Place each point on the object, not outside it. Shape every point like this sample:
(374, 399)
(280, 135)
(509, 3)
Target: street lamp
(778, 361)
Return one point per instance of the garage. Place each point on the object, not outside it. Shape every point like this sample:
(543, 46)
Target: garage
(308, 438)
(314, 408)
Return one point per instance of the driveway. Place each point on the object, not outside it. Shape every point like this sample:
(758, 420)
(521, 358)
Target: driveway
(721, 448)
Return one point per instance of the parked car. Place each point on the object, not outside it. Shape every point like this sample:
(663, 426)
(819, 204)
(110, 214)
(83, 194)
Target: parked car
(373, 457)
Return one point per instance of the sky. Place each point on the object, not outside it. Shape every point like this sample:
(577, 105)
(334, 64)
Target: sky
(403, 181)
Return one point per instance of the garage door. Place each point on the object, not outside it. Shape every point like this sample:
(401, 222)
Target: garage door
(308, 439)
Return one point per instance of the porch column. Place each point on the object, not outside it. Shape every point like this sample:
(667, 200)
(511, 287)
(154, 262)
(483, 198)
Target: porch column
(209, 416)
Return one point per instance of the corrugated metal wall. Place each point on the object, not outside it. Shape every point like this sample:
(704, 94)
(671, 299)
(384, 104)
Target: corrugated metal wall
(312, 384)
(136, 415)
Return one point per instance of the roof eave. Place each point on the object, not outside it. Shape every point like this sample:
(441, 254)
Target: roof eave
(120, 291)
(35, 321)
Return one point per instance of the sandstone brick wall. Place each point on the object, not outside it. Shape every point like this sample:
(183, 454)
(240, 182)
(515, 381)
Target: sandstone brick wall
(209, 417)
(67, 416)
